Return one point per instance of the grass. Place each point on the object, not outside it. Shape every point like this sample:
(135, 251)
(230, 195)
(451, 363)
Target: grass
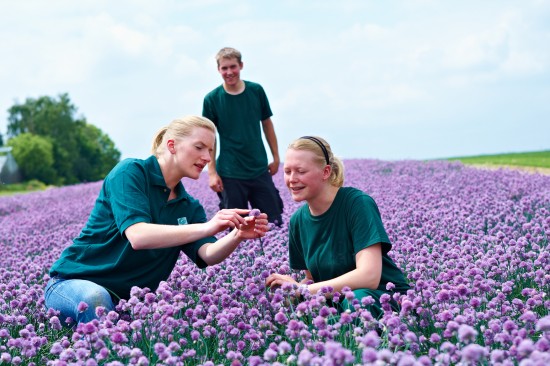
(537, 159)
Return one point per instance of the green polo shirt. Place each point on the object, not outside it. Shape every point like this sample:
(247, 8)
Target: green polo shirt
(326, 245)
(237, 118)
(134, 191)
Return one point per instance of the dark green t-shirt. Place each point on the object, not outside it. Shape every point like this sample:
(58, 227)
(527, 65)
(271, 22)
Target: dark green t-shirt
(134, 191)
(326, 245)
(237, 118)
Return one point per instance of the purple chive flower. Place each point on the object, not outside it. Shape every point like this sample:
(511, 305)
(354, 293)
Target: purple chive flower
(435, 338)
(5, 357)
(528, 317)
(284, 347)
(371, 339)
(195, 335)
(319, 322)
(88, 328)
(162, 351)
(366, 301)
(325, 311)
(498, 356)
(55, 323)
(443, 296)
(118, 338)
(100, 311)
(270, 355)
(369, 355)
(525, 348)
(82, 307)
(473, 353)
(466, 333)
(254, 212)
(281, 318)
(253, 361)
(410, 337)
(56, 348)
(304, 357)
(543, 325)
(385, 355)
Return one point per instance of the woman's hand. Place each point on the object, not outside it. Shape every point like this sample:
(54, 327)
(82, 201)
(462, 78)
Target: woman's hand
(226, 219)
(276, 280)
(254, 227)
(250, 227)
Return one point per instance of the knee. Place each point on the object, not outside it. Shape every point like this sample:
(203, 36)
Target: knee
(98, 297)
(93, 300)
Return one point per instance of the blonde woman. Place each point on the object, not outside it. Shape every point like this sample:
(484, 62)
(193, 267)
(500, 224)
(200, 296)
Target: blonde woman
(337, 238)
(141, 221)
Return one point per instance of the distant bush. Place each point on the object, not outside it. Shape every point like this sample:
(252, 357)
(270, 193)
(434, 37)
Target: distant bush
(29, 186)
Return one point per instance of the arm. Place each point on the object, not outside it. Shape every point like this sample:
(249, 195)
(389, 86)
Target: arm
(214, 181)
(367, 273)
(269, 132)
(155, 236)
(213, 253)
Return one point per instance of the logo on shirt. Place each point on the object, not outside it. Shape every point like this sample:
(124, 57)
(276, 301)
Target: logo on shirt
(182, 221)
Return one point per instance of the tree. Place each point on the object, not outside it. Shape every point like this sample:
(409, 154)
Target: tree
(34, 156)
(1, 140)
(81, 151)
(97, 153)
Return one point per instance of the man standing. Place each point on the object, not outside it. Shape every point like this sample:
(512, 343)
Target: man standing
(242, 175)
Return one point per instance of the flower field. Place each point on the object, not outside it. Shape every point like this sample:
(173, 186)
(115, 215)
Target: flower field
(474, 245)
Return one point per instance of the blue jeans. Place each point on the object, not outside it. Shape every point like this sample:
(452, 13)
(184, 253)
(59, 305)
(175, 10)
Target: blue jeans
(65, 295)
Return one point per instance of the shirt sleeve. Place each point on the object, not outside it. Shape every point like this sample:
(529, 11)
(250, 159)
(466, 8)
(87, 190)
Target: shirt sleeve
(296, 256)
(128, 196)
(264, 103)
(366, 225)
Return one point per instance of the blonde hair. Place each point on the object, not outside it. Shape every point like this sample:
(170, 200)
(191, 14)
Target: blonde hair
(179, 127)
(315, 144)
(227, 53)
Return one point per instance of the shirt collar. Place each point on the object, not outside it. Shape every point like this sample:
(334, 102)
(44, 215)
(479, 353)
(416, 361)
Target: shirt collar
(157, 179)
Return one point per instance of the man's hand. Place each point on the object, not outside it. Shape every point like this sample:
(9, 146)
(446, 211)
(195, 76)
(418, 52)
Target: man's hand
(215, 182)
(273, 167)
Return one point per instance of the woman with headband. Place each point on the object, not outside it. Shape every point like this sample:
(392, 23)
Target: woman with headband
(337, 238)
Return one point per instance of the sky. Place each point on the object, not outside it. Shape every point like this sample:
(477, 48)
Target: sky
(388, 80)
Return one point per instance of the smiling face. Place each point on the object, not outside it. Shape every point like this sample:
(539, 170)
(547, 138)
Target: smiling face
(230, 70)
(192, 153)
(303, 175)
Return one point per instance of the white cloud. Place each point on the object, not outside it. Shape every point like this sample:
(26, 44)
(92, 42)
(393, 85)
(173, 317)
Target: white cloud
(369, 32)
(487, 50)
(133, 42)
